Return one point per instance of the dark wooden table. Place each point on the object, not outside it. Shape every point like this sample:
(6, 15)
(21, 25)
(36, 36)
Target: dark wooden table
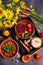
(38, 5)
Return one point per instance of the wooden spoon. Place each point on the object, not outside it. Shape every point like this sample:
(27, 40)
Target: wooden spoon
(26, 58)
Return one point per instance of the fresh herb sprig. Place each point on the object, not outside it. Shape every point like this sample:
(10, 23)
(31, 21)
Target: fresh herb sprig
(26, 35)
(8, 48)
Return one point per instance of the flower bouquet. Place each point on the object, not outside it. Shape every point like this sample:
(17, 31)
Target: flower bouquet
(9, 13)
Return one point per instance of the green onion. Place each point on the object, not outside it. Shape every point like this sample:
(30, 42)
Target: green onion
(36, 16)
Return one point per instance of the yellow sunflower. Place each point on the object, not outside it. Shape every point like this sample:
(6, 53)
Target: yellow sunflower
(1, 24)
(9, 5)
(22, 4)
(17, 10)
(1, 12)
(14, 22)
(9, 14)
(7, 24)
(0, 2)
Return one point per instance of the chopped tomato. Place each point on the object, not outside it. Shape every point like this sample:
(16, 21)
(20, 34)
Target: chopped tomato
(41, 34)
(29, 25)
(29, 29)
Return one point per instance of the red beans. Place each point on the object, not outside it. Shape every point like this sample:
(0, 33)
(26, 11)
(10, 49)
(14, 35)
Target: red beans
(21, 28)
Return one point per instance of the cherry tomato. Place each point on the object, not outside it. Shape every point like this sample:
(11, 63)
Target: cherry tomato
(37, 56)
(29, 29)
(29, 25)
(41, 34)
